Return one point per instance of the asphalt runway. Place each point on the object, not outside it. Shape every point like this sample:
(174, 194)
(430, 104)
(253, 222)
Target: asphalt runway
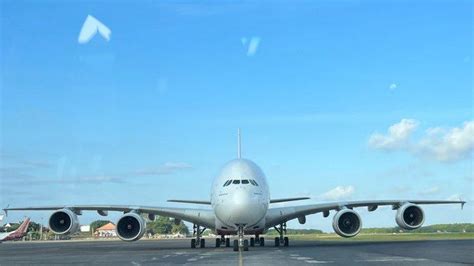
(167, 252)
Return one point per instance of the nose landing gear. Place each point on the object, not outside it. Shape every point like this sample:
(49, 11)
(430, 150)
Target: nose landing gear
(281, 240)
(241, 243)
(198, 241)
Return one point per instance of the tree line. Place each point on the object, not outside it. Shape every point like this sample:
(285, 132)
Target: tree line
(165, 225)
(161, 225)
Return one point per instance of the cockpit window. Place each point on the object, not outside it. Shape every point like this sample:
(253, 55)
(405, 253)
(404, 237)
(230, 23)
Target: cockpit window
(236, 182)
(227, 183)
(253, 182)
(245, 181)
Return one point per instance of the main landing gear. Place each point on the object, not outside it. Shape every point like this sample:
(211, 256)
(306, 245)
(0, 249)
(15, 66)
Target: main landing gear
(222, 241)
(257, 241)
(281, 240)
(198, 241)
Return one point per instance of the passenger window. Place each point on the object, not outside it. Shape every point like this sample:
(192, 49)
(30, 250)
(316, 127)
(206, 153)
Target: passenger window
(236, 182)
(245, 181)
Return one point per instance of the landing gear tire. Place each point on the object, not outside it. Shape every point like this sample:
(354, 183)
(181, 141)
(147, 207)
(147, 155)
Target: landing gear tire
(246, 245)
(193, 243)
(227, 242)
(252, 242)
(277, 241)
(236, 245)
(286, 241)
(203, 243)
(262, 241)
(218, 242)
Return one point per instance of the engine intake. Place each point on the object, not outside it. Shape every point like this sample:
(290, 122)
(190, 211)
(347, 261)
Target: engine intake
(410, 216)
(63, 222)
(130, 227)
(347, 223)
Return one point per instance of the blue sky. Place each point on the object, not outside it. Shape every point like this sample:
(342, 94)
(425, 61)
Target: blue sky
(152, 113)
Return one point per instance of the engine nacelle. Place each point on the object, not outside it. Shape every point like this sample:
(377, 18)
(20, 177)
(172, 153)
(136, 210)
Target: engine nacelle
(130, 227)
(302, 219)
(347, 223)
(410, 216)
(63, 222)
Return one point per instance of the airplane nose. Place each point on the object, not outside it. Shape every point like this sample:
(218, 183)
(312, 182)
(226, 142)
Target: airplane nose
(246, 208)
(241, 198)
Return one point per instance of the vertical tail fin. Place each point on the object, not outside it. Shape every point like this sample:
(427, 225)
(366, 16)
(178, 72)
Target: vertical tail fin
(24, 226)
(239, 155)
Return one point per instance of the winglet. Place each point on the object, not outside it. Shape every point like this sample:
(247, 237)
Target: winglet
(462, 204)
(6, 210)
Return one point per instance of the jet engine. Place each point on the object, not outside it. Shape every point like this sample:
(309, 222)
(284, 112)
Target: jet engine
(302, 219)
(347, 223)
(410, 216)
(130, 227)
(64, 221)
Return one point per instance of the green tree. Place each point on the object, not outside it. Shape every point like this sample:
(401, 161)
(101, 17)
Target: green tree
(181, 228)
(165, 225)
(33, 227)
(161, 225)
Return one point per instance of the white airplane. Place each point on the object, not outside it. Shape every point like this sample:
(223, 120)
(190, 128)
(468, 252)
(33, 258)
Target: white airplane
(240, 200)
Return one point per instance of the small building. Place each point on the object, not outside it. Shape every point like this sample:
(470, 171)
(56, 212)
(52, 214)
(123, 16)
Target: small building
(85, 228)
(107, 230)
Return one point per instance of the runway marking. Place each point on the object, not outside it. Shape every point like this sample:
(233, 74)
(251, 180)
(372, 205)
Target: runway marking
(192, 259)
(180, 253)
(302, 258)
(392, 259)
(319, 261)
(241, 260)
(208, 254)
(165, 256)
(136, 263)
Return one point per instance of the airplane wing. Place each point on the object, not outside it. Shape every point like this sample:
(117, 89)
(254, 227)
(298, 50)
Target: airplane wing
(191, 201)
(209, 203)
(202, 217)
(287, 199)
(280, 215)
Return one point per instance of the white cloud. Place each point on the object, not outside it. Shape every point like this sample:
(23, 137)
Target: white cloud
(90, 28)
(396, 137)
(430, 191)
(253, 44)
(393, 86)
(339, 192)
(448, 144)
(439, 144)
(455, 197)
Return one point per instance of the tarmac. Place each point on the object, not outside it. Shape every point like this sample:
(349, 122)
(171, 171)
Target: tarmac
(172, 252)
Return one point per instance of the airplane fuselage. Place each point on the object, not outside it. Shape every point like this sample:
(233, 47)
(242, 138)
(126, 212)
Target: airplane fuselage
(240, 197)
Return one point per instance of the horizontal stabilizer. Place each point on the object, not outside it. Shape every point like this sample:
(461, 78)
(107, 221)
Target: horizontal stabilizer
(288, 199)
(192, 201)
